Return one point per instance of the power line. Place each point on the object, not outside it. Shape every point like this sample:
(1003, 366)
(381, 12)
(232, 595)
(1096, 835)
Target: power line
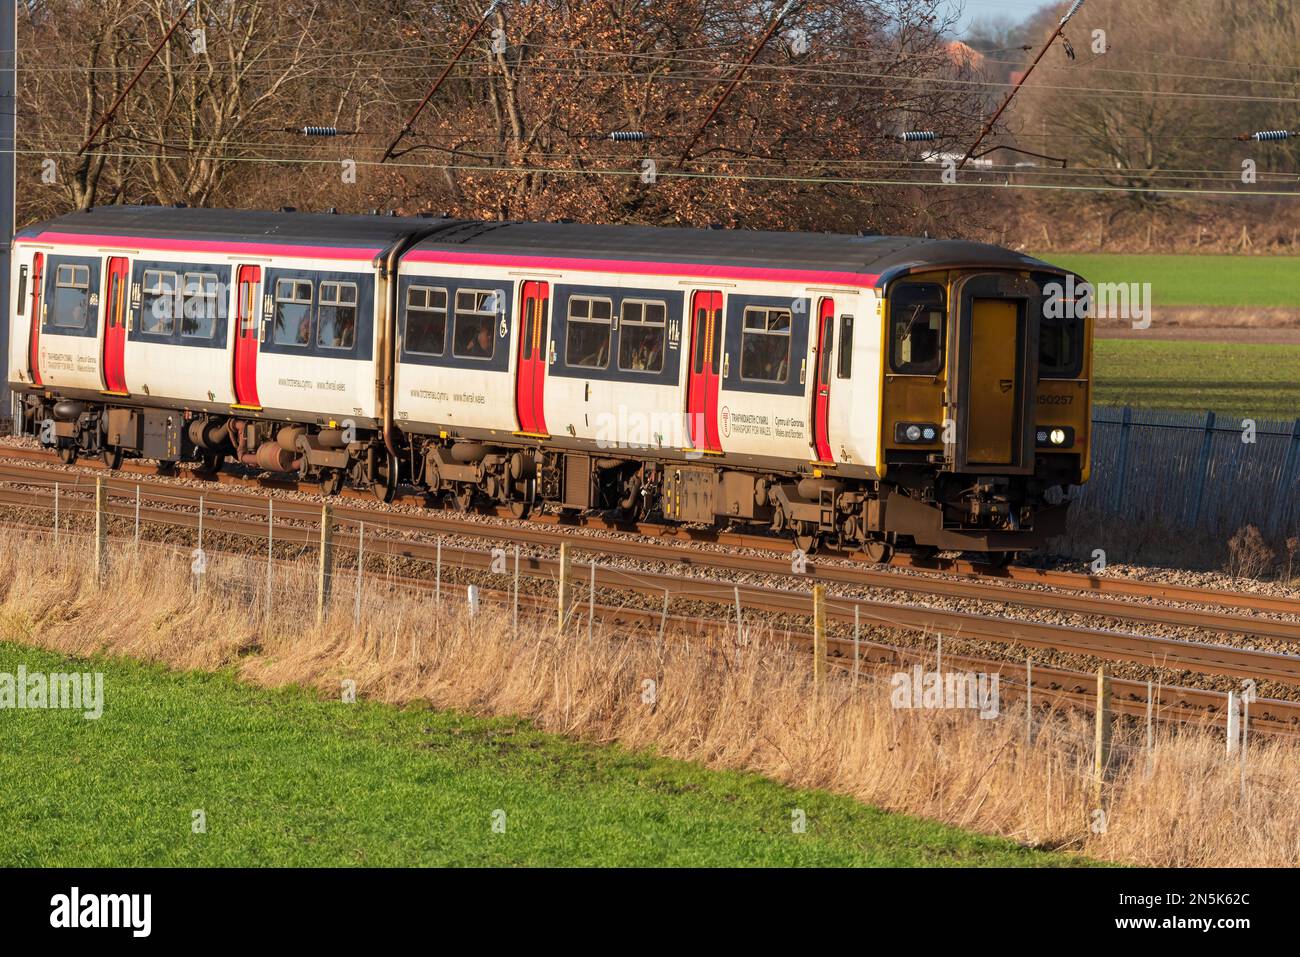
(688, 175)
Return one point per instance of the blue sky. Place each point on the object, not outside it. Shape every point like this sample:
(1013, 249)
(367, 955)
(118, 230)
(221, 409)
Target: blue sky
(984, 9)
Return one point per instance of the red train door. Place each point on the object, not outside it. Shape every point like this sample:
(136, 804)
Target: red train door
(246, 326)
(706, 357)
(530, 380)
(34, 340)
(115, 309)
(822, 381)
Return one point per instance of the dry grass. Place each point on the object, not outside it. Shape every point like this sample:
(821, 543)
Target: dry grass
(720, 703)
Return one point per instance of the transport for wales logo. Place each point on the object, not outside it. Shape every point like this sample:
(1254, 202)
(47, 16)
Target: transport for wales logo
(36, 690)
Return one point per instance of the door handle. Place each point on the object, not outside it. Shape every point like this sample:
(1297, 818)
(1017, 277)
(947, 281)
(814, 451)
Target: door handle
(586, 396)
(803, 371)
(726, 364)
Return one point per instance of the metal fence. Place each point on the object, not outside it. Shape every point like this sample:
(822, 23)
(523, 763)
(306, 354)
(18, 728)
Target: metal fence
(1195, 470)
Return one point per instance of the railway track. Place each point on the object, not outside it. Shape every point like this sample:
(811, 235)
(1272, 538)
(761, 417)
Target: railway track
(866, 658)
(238, 513)
(1213, 611)
(830, 566)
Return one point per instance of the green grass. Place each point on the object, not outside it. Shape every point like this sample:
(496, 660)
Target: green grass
(288, 778)
(1253, 381)
(1243, 281)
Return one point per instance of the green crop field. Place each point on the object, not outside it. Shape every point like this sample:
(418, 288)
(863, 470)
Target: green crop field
(1223, 281)
(288, 778)
(1250, 380)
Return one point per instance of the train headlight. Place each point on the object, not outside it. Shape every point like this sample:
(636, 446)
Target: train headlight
(915, 433)
(1054, 437)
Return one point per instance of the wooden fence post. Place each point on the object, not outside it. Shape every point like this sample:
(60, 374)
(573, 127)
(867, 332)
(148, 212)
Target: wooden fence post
(1234, 723)
(819, 635)
(565, 596)
(101, 531)
(1101, 748)
(325, 580)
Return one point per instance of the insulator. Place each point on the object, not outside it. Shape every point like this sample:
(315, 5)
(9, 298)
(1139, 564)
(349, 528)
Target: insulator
(917, 136)
(1264, 135)
(320, 131)
(627, 136)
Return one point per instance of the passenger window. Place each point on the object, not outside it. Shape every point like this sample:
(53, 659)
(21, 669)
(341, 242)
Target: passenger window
(292, 312)
(426, 320)
(641, 336)
(765, 345)
(474, 336)
(336, 315)
(587, 339)
(158, 305)
(1060, 339)
(917, 314)
(201, 306)
(71, 306)
(846, 348)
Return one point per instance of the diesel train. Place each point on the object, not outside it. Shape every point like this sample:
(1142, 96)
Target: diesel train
(873, 392)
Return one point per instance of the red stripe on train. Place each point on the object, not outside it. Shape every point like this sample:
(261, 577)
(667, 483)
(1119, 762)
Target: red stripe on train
(720, 271)
(356, 253)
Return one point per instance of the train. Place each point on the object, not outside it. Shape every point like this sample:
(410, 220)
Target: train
(867, 392)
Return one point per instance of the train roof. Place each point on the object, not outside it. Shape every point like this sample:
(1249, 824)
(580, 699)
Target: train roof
(863, 257)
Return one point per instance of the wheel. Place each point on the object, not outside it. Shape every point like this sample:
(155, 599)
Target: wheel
(805, 539)
(384, 482)
(877, 551)
(520, 508)
(212, 462)
(463, 497)
(67, 454)
(112, 458)
(331, 482)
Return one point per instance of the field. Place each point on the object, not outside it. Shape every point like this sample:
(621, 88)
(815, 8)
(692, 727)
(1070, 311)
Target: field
(1219, 281)
(287, 778)
(250, 728)
(1248, 380)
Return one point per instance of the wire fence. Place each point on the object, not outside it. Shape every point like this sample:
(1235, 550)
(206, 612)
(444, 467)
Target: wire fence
(1192, 470)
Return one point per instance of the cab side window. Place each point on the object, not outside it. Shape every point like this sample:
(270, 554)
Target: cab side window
(917, 317)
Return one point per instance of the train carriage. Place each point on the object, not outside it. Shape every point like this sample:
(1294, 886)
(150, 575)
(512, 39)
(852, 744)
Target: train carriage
(870, 391)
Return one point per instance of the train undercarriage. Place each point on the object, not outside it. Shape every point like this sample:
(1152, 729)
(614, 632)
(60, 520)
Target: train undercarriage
(921, 509)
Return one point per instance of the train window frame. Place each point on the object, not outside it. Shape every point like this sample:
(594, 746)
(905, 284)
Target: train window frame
(576, 321)
(642, 323)
(428, 291)
(82, 286)
(210, 300)
(294, 299)
(477, 310)
(844, 363)
(1074, 368)
(934, 365)
(150, 294)
(337, 302)
(767, 332)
